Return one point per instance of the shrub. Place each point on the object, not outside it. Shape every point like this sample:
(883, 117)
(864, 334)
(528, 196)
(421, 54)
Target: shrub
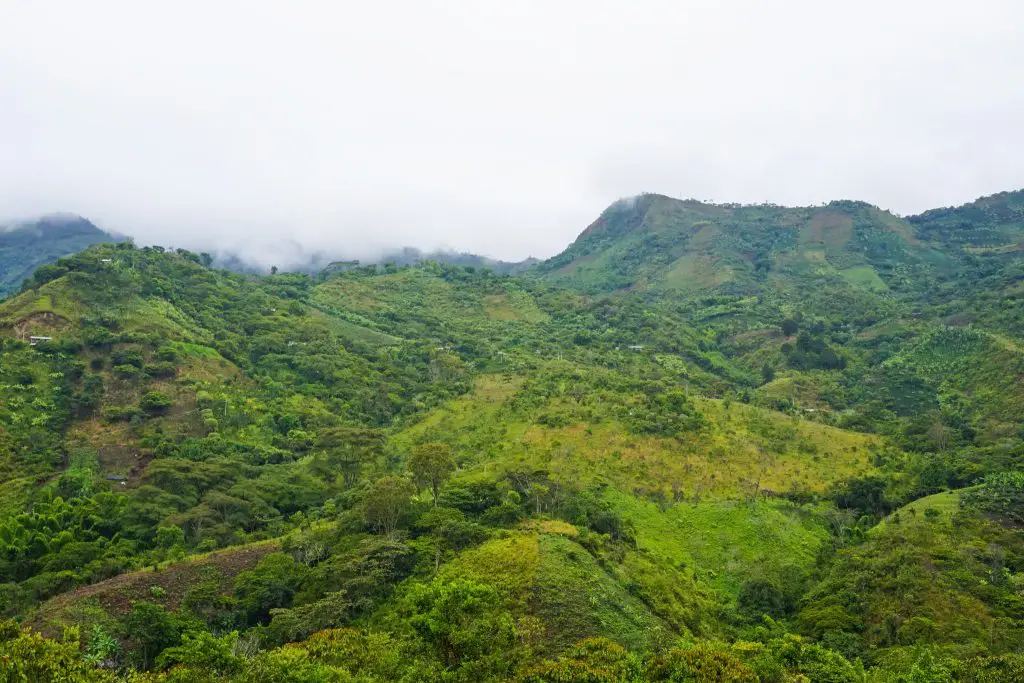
(155, 403)
(126, 372)
(161, 369)
(121, 413)
(702, 663)
(129, 357)
(166, 354)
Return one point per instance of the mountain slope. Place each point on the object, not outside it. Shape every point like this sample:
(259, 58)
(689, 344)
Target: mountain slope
(26, 246)
(628, 470)
(990, 225)
(655, 242)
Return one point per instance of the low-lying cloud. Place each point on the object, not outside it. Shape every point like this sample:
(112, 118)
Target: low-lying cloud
(502, 129)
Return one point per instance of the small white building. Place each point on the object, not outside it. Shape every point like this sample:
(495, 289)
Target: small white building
(33, 340)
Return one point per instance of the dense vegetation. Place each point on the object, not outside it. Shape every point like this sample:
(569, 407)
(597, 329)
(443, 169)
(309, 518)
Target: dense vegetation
(706, 443)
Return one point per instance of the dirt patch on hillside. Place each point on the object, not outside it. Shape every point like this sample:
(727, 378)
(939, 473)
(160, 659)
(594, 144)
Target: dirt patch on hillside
(115, 596)
(41, 323)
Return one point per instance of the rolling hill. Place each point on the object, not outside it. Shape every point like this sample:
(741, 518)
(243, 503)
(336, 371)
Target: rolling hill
(704, 443)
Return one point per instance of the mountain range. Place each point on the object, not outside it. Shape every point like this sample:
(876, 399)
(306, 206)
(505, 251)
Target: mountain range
(653, 241)
(704, 443)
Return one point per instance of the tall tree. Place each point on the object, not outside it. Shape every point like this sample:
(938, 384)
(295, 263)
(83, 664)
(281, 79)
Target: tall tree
(387, 499)
(349, 449)
(432, 465)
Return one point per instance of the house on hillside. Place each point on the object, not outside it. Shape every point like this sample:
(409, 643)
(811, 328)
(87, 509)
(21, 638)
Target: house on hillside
(33, 340)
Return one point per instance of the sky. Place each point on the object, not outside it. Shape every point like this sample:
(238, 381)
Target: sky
(500, 128)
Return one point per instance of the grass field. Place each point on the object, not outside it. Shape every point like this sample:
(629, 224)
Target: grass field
(865, 277)
(743, 445)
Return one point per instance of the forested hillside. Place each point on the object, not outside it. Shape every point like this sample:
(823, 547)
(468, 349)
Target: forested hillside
(705, 443)
(26, 246)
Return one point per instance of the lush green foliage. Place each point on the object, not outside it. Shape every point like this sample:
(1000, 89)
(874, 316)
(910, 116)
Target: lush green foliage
(705, 443)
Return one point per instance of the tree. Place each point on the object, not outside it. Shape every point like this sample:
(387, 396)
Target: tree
(1000, 495)
(431, 465)
(594, 660)
(349, 449)
(790, 327)
(271, 584)
(168, 537)
(386, 501)
(153, 629)
(463, 623)
(298, 623)
(761, 596)
(204, 651)
(706, 663)
(866, 495)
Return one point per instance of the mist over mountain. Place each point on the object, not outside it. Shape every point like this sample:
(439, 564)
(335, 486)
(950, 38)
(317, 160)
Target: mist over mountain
(292, 257)
(25, 245)
(647, 240)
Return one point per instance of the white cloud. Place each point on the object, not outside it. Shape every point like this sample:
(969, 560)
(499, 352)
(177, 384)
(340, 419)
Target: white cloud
(501, 128)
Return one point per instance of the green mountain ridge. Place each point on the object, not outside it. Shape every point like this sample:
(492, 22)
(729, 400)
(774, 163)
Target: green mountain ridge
(24, 247)
(656, 242)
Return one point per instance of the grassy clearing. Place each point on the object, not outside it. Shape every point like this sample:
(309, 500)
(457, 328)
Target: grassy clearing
(722, 543)
(517, 306)
(831, 229)
(743, 445)
(865, 277)
(938, 508)
(45, 311)
(697, 271)
(346, 329)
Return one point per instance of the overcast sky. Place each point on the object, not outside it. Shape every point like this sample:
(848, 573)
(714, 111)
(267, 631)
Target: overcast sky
(501, 128)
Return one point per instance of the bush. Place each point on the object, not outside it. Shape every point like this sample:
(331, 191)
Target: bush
(126, 372)
(166, 354)
(470, 497)
(161, 369)
(121, 414)
(129, 357)
(703, 663)
(271, 584)
(155, 403)
(760, 596)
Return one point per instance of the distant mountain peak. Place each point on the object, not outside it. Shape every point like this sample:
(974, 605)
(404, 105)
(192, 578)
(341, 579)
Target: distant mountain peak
(54, 220)
(25, 245)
